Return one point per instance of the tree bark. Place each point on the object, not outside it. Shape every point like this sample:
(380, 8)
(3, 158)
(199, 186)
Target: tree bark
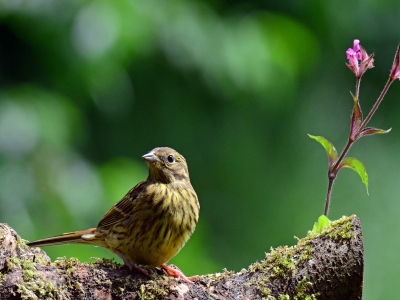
(329, 265)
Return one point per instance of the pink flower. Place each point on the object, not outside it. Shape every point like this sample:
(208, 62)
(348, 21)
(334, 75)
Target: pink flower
(358, 53)
(354, 52)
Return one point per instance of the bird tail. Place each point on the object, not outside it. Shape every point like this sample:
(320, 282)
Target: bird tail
(87, 237)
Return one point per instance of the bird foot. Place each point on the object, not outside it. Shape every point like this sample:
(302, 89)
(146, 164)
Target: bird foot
(129, 264)
(170, 271)
(177, 274)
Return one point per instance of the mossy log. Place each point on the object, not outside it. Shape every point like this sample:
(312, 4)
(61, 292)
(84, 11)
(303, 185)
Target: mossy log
(321, 266)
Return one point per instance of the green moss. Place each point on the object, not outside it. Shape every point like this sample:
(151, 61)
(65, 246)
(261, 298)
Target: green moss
(300, 291)
(28, 275)
(63, 263)
(262, 287)
(255, 267)
(2, 278)
(341, 229)
(11, 262)
(284, 265)
(21, 244)
(278, 263)
(149, 289)
(214, 279)
(36, 290)
(306, 253)
(34, 286)
(79, 287)
(106, 262)
(283, 261)
(266, 292)
(146, 292)
(228, 273)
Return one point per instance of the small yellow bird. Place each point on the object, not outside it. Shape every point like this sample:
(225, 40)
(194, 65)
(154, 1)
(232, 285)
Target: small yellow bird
(151, 223)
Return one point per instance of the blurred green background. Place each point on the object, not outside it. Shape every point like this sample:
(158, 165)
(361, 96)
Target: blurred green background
(88, 87)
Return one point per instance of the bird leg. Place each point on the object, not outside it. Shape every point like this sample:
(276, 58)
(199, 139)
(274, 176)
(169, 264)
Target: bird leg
(177, 274)
(129, 264)
(170, 271)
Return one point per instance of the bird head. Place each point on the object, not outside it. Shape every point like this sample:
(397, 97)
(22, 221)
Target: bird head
(166, 166)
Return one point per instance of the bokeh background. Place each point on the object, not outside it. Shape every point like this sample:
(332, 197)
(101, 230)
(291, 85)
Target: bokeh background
(88, 87)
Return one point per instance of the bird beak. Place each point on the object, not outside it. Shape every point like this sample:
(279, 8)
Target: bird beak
(150, 157)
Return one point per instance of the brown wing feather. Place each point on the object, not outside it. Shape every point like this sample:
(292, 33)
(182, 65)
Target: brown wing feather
(122, 209)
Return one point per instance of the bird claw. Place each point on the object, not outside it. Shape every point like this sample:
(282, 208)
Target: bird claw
(177, 274)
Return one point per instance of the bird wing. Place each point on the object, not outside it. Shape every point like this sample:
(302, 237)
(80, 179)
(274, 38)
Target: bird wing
(123, 209)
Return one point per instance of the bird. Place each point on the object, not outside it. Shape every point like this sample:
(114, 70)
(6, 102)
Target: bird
(151, 223)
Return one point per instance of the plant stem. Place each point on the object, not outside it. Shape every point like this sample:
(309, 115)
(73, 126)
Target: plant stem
(371, 113)
(341, 157)
(333, 170)
(328, 195)
(358, 87)
(364, 123)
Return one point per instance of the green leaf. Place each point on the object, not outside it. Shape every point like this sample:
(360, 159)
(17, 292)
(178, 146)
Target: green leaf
(321, 224)
(369, 131)
(330, 149)
(357, 166)
(356, 118)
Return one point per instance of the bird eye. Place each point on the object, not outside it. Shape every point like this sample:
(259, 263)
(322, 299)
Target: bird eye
(171, 159)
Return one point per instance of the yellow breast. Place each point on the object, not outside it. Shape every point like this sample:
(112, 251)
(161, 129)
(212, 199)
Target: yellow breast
(161, 224)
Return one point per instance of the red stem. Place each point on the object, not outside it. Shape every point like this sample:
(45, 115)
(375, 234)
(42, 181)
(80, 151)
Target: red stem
(371, 113)
(364, 123)
(328, 195)
(333, 169)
